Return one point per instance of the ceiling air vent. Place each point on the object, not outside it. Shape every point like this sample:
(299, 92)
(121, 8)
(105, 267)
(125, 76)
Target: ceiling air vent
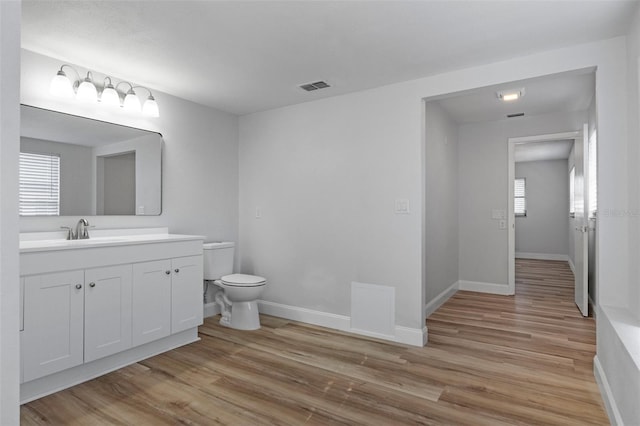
(309, 87)
(517, 114)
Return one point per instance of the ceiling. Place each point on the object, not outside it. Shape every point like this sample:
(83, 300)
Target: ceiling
(247, 56)
(559, 93)
(539, 151)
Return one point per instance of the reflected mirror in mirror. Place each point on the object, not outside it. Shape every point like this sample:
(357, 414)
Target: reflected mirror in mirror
(76, 166)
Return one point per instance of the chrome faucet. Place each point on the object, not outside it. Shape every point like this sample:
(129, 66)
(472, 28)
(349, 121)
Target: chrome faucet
(81, 230)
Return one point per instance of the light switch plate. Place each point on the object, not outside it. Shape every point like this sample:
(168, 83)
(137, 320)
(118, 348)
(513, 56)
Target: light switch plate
(498, 214)
(258, 213)
(402, 206)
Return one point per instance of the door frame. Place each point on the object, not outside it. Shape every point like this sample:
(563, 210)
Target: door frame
(511, 219)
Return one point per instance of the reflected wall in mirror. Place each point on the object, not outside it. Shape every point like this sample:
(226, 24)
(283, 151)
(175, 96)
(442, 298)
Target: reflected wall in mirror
(76, 166)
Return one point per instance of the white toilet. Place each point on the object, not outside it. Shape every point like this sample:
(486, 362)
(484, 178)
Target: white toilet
(240, 292)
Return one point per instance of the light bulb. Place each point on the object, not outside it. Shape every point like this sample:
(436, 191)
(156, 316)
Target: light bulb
(110, 96)
(150, 107)
(131, 102)
(61, 86)
(87, 90)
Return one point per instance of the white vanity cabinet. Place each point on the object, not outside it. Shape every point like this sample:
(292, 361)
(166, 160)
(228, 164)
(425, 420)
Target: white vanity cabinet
(151, 301)
(52, 339)
(107, 311)
(165, 293)
(186, 292)
(92, 307)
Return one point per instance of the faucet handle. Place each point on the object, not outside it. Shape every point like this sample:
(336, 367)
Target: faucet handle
(70, 235)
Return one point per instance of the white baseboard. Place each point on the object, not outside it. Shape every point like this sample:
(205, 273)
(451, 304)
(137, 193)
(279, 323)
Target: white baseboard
(481, 287)
(211, 309)
(542, 256)
(572, 266)
(406, 335)
(440, 299)
(605, 391)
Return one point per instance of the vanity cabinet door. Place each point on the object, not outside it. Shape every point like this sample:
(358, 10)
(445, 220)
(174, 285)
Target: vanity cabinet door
(151, 303)
(107, 311)
(52, 339)
(186, 293)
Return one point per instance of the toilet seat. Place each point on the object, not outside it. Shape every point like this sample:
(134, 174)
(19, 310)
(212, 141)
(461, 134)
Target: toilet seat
(243, 280)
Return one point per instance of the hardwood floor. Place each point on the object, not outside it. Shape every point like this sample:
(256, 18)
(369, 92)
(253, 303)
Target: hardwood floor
(490, 360)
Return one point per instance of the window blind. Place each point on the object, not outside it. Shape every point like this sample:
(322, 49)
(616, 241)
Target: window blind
(39, 184)
(520, 201)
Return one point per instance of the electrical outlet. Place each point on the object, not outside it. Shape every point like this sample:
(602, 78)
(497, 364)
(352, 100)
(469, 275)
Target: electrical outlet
(502, 224)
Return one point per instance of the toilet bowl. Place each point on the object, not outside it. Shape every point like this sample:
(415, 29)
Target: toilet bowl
(240, 292)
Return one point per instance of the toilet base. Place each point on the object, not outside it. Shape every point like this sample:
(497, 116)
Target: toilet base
(244, 316)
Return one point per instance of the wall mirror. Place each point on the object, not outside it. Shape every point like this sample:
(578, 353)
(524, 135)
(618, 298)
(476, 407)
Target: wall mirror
(76, 166)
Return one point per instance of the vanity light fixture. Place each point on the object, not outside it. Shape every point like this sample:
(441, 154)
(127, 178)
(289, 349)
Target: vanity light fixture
(109, 94)
(86, 90)
(510, 95)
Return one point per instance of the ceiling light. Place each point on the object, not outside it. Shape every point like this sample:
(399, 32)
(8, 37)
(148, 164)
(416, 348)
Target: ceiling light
(510, 95)
(86, 90)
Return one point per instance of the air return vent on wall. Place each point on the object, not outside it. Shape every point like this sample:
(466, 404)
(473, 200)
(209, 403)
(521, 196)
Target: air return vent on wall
(309, 87)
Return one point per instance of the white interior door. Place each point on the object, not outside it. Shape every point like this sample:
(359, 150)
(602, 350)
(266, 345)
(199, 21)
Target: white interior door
(581, 236)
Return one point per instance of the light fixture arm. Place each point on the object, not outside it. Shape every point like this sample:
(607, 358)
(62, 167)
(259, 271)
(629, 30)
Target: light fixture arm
(125, 82)
(74, 70)
(148, 90)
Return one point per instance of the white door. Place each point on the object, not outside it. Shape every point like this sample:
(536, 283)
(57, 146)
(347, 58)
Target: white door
(151, 303)
(53, 323)
(187, 293)
(581, 236)
(107, 311)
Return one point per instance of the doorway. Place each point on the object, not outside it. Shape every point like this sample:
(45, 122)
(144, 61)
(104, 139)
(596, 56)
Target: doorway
(551, 212)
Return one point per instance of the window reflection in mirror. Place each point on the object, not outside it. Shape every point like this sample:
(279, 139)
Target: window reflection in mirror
(104, 168)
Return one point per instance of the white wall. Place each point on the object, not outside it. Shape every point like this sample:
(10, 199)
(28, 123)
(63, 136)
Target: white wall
(75, 173)
(618, 312)
(325, 175)
(9, 147)
(199, 160)
(484, 187)
(544, 229)
(441, 201)
(633, 82)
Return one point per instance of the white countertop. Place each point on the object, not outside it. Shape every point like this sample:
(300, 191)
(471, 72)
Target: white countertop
(49, 241)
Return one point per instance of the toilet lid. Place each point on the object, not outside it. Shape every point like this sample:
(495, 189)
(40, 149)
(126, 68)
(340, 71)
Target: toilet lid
(242, 280)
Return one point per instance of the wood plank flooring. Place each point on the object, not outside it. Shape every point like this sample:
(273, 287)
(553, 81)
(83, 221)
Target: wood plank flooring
(491, 360)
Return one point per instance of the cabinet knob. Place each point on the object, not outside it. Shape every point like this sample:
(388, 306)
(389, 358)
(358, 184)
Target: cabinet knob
(92, 284)
(167, 272)
(176, 270)
(78, 286)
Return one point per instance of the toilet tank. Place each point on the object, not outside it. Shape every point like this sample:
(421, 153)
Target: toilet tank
(218, 260)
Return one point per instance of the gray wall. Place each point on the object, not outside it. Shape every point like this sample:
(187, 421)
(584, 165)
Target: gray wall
(545, 228)
(441, 200)
(483, 176)
(76, 171)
